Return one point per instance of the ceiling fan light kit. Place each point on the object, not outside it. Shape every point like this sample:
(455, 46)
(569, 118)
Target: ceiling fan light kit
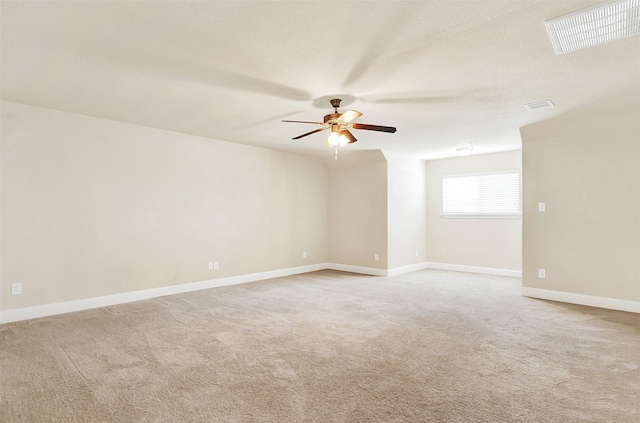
(340, 123)
(340, 138)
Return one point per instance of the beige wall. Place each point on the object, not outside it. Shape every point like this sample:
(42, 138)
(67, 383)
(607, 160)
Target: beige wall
(406, 210)
(358, 211)
(490, 243)
(92, 207)
(585, 166)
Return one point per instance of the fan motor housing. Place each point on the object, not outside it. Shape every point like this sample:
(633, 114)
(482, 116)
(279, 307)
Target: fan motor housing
(332, 118)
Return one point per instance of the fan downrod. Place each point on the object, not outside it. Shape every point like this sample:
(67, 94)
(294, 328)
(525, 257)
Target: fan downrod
(335, 103)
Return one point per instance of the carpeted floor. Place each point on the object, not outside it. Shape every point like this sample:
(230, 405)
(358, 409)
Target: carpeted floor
(429, 346)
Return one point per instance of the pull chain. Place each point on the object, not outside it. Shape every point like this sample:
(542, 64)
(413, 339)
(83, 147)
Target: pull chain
(336, 156)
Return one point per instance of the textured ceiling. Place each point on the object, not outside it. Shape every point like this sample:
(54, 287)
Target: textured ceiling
(442, 72)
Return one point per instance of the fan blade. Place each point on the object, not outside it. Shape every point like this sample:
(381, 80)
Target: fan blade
(378, 128)
(348, 135)
(348, 116)
(302, 121)
(308, 133)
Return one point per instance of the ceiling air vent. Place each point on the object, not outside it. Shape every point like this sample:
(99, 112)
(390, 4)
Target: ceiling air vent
(599, 24)
(539, 105)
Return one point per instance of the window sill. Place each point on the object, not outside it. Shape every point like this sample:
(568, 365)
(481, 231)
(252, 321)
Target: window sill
(482, 216)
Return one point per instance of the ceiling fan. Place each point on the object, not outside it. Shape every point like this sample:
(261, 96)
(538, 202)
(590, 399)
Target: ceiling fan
(340, 123)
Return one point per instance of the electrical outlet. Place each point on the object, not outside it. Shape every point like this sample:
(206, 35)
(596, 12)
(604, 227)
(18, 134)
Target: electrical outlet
(417, 253)
(542, 273)
(216, 266)
(304, 254)
(376, 257)
(542, 207)
(210, 265)
(16, 288)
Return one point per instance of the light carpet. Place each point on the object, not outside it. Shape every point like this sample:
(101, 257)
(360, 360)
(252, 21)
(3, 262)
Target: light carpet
(429, 346)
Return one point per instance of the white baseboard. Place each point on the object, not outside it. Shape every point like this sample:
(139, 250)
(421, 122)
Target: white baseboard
(475, 269)
(407, 269)
(357, 269)
(582, 299)
(15, 315)
(375, 271)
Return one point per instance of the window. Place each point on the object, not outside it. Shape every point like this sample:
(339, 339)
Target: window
(486, 194)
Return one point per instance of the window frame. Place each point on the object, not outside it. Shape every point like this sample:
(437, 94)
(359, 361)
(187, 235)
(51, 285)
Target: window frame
(481, 215)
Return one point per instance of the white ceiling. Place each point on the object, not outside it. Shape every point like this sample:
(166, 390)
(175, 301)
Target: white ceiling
(442, 72)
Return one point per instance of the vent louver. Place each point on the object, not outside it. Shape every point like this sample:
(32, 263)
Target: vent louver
(595, 25)
(539, 105)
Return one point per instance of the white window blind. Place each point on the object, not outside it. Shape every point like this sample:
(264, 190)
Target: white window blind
(487, 194)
